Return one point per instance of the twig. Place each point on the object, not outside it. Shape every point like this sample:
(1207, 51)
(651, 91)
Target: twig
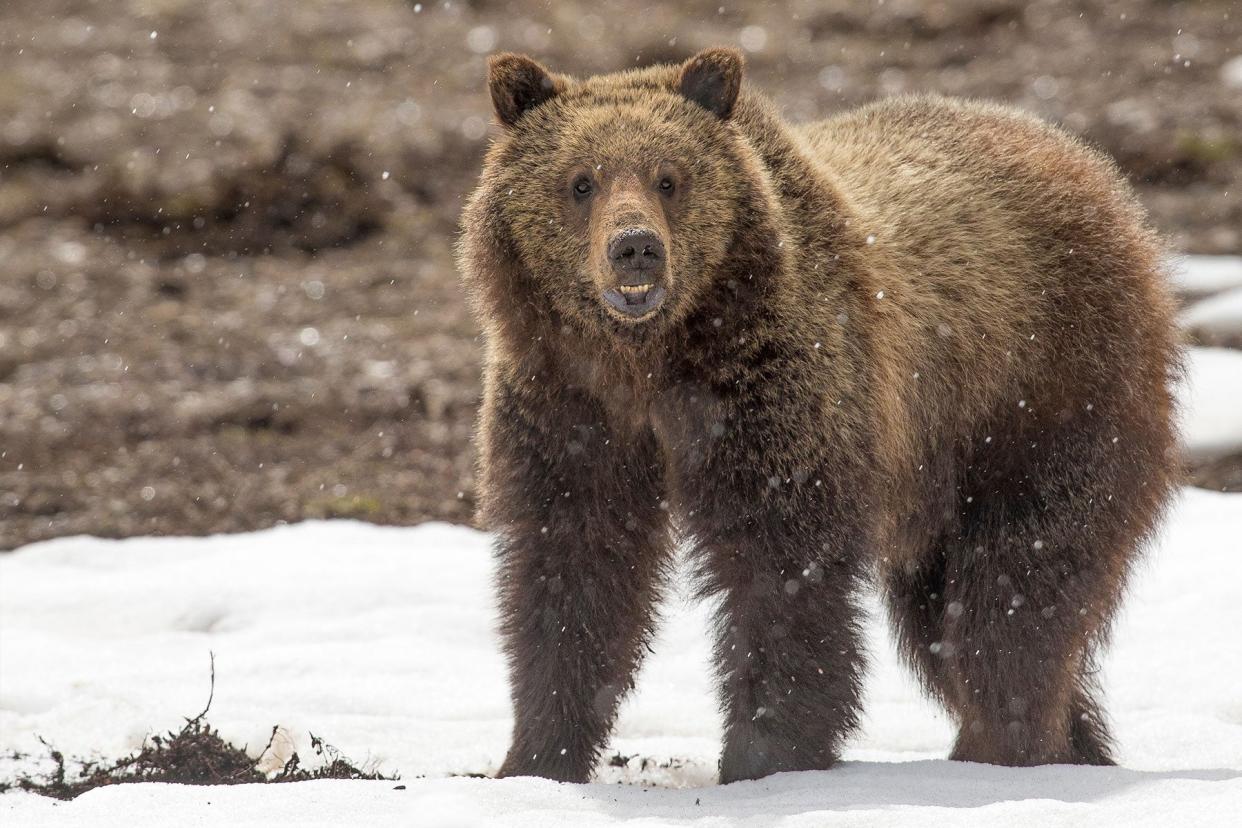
(212, 693)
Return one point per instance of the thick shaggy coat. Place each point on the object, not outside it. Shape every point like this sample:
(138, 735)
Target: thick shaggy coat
(925, 344)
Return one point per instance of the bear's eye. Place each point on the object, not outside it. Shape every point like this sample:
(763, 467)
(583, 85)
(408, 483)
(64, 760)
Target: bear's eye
(666, 185)
(582, 187)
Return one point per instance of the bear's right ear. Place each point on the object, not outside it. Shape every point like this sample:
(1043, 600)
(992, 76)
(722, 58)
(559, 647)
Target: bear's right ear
(712, 79)
(518, 84)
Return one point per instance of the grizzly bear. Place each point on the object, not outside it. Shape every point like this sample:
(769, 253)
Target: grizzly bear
(924, 346)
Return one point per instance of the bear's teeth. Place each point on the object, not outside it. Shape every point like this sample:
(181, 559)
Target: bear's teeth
(634, 288)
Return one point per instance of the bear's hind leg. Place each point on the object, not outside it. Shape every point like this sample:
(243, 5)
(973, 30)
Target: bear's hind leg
(1090, 741)
(914, 595)
(1014, 645)
(1032, 586)
(918, 612)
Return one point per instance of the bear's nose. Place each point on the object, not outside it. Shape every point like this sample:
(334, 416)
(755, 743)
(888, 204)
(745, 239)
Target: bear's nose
(635, 251)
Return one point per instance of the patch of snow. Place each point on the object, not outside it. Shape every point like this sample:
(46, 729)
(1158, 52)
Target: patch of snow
(382, 641)
(1195, 276)
(1231, 72)
(1211, 400)
(1217, 315)
(854, 794)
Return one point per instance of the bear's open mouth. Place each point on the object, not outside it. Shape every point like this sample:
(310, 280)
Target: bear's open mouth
(635, 300)
(634, 294)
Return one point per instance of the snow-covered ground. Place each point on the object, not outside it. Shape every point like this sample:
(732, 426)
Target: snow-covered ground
(1195, 276)
(1211, 394)
(1211, 398)
(1217, 315)
(381, 640)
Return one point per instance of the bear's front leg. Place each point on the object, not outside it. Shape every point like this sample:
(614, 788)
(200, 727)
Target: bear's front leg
(780, 541)
(581, 546)
(788, 652)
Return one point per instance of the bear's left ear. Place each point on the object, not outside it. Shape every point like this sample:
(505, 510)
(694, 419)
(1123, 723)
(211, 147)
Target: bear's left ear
(519, 84)
(712, 79)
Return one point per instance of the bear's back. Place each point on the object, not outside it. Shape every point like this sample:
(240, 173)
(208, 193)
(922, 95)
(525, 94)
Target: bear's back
(1003, 243)
(957, 187)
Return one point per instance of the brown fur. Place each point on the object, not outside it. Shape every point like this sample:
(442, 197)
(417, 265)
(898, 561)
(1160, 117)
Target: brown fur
(926, 342)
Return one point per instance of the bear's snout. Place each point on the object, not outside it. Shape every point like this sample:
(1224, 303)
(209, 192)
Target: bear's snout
(637, 259)
(636, 252)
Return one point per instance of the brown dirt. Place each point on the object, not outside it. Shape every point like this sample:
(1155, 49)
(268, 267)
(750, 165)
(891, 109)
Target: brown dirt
(227, 294)
(193, 755)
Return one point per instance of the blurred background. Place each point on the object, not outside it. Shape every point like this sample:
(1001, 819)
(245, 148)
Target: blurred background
(227, 291)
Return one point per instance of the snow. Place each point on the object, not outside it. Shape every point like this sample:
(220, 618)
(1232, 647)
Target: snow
(1212, 390)
(1231, 72)
(856, 794)
(1211, 397)
(1204, 275)
(381, 640)
(1217, 315)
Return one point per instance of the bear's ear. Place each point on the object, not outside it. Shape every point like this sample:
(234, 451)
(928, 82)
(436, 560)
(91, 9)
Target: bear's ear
(712, 79)
(518, 84)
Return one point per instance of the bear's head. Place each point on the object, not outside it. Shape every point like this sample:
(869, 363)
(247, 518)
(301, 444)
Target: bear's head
(611, 201)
